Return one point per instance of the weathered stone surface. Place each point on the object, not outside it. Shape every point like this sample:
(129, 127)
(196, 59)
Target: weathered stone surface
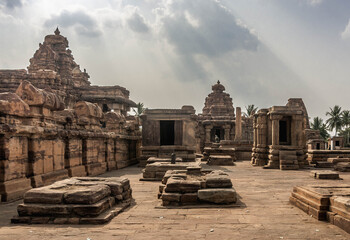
(324, 174)
(179, 185)
(326, 202)
(342, 167)
(218, 181)
(218, 195)
(38, 97)
(12, 104)
(222, 160)
(81, 198)
(171, 197)
(44, 195)
(86, 194)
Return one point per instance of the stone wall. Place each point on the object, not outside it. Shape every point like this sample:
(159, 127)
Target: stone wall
(41, 142)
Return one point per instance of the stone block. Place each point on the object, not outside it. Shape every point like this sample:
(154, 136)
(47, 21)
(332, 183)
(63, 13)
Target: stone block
(218, 195)
(86, 194)
(171, 197)
(219, 181)
(182, 186)
(189, 198)
(324, 174)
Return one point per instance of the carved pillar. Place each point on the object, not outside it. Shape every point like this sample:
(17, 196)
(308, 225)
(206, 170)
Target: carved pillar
(207, 133)
(238, 128)
(227, 132)
(275, 129)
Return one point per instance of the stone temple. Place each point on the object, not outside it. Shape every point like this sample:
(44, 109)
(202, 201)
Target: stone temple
(71, 153)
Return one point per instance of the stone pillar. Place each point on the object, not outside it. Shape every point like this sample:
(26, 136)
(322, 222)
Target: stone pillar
(238, 127)
(275, 130)
(227, 132)
(207, 133)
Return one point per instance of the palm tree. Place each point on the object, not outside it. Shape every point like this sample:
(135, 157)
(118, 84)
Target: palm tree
(345, 117)
(139, 109)
(251, 110)
(318, 124)
(335, 119)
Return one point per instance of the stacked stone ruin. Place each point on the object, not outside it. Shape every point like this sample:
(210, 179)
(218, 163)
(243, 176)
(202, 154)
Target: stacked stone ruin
(194, 187)
(48, 133)
(79, 200)
(325, 202)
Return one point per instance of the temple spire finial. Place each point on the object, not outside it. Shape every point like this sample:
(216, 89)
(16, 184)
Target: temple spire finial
(57, 31)
(218, 81)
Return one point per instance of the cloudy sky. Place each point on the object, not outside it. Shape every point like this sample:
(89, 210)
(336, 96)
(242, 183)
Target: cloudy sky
(169, 53)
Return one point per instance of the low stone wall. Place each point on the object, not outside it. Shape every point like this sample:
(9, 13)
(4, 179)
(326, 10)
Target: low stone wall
(314, 156)
(325, 202)
(41, 143)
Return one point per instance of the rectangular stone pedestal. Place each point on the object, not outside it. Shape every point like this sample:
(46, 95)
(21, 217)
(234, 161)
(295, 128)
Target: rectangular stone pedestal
(14, 189)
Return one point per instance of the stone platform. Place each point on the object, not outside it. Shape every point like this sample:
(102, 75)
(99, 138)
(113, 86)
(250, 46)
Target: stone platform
(193, 187)
(325, 202)
(156, 171)
(80, 200)
(324, 174)
(220, 160)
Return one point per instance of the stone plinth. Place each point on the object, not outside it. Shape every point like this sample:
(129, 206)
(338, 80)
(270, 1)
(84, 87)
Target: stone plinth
(156, 171)
(186, 187)
(327, 202)
(221, 160)
(324, 174)
(81, 200)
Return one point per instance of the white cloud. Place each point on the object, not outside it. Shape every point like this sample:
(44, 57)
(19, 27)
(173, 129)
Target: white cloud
(346, 33)
(314, 2)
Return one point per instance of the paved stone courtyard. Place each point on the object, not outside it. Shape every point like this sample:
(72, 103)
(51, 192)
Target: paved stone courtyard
(265, 213)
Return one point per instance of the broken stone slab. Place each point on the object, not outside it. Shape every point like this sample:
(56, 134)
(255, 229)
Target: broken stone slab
(326, 174)
(174, 173)
(73, 198)
(86, 194)
(218, 181)
(218, 195)
(222, 160)
(178, 185)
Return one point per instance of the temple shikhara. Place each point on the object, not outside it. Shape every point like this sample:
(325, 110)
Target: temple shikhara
(72, 153)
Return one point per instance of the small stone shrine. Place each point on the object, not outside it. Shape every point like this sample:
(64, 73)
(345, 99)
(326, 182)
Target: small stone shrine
(279, 136)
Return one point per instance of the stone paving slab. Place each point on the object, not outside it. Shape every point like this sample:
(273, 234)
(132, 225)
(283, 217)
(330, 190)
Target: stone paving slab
(267, 213)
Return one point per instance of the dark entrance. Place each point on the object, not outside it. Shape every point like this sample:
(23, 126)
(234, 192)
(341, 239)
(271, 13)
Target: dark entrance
(284, 132)
(218, 131)
(318, 147)
(167, 133)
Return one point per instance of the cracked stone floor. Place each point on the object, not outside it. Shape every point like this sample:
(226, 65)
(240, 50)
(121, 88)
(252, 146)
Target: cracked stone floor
(265, 214)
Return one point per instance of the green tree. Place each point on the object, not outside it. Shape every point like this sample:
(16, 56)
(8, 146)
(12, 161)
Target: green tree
(318, 124)
(345, 117)
(251, 110)
(139, 109)
(335, 119)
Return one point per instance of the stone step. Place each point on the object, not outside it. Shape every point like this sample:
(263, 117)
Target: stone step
(324, 164)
